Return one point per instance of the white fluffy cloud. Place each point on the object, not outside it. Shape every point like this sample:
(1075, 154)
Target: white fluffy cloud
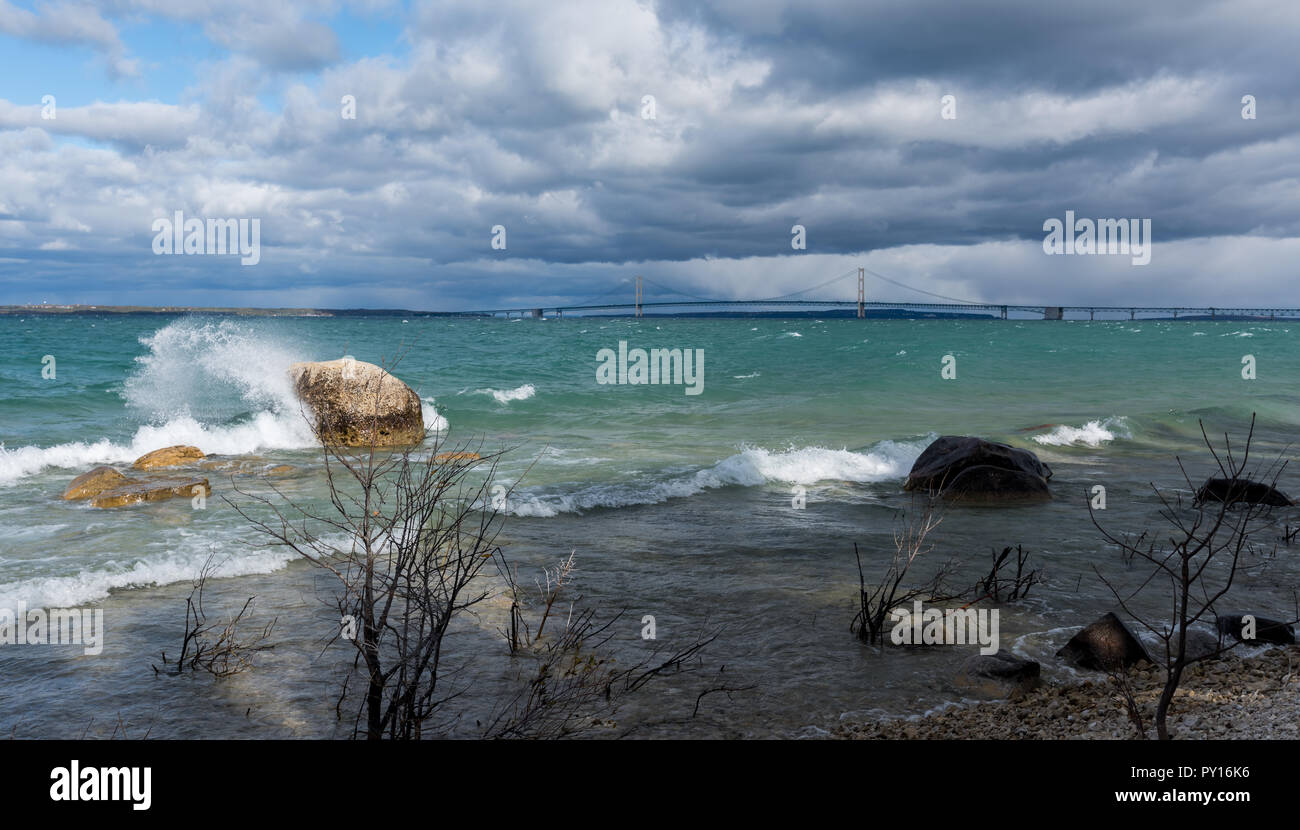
(529, 115)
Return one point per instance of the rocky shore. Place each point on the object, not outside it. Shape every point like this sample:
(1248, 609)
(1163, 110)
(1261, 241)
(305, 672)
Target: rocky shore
(1231, 697)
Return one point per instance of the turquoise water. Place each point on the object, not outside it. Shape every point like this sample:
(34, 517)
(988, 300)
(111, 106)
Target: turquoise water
(675, 505)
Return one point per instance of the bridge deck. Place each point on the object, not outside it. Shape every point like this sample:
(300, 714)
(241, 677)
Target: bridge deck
(997, 308)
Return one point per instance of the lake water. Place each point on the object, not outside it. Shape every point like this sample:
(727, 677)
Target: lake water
(677, 506)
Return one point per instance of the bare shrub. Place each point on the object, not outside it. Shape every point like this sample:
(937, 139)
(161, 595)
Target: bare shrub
(218, 648)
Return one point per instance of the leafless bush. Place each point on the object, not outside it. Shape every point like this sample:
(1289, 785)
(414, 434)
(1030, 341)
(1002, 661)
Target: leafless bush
(876, 601)
(1001, 588)
(1208, 542)
(219, 648)
(571, 683)
(1123, 682)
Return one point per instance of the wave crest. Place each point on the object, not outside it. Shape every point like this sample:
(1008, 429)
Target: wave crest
(1092, 434)
(751, 467)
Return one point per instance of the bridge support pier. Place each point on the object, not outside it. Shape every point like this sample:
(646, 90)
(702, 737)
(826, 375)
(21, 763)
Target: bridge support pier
(1130, 314)
(1092, 314)
(1004, 312)
(1053, 312)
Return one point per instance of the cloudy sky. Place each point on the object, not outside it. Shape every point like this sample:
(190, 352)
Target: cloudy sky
(531, 116)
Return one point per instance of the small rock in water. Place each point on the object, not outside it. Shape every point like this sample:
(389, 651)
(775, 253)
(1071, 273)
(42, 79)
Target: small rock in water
(1201, 643)
(998, 675)
(90, 484)
(1241, 491)
(1105, 644)
(456, 456)
(177, 456)
(158, 489)
(1266, 630)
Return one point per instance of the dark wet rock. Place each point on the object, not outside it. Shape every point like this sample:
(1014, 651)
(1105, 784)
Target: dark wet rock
(1241, 491)
(965, 468)
(1266, 630)
(1201, 642)
(1001, 675)
(988, 484)
(1104, 645)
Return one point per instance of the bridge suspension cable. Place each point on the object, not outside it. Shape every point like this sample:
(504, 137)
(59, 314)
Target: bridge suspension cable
(760, 299)
(921, 291)
(602, 295)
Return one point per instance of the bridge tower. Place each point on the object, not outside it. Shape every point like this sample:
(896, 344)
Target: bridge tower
(862, 294)
(638, 295)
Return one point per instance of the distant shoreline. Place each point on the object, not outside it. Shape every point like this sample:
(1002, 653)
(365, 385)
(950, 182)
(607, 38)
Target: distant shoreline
(81, 310)
(67, 310)
(72, 310)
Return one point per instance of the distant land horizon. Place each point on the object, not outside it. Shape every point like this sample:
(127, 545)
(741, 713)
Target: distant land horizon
(78, 309)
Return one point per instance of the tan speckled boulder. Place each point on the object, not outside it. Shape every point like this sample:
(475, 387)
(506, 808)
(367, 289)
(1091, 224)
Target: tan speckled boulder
(358, 404)
(177, 456)
(158, 489)
(92, 483)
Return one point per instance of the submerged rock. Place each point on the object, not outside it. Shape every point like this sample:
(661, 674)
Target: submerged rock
(1000, 674)
(92, 483)
(178, 456)
(245, 465)
(156, 489)
(1241, 491)
(358, 404)
(1266, 630)
(456, 456)
(1201, 643)
(1106, 644)
(965, 468)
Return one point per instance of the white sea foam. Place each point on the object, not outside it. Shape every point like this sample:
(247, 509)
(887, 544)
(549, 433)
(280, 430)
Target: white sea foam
(751, 467)
(222, 387)
(504, 396)
(93, 585)
(1091, 434)
(432, 420)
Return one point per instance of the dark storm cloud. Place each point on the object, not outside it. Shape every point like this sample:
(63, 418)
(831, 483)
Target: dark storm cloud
(528, 115)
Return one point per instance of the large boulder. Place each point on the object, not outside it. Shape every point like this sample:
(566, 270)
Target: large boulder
(1241, 491)
(1105, 645)
(1266, 630)
(358, 404)
(92, 483)
(1000, 674)
(157, 489)
(963, 468)
(178, 456)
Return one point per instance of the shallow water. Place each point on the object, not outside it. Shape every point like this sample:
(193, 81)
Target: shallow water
(678, 506)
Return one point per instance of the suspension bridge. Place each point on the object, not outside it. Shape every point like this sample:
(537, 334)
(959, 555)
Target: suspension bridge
(678, 303)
